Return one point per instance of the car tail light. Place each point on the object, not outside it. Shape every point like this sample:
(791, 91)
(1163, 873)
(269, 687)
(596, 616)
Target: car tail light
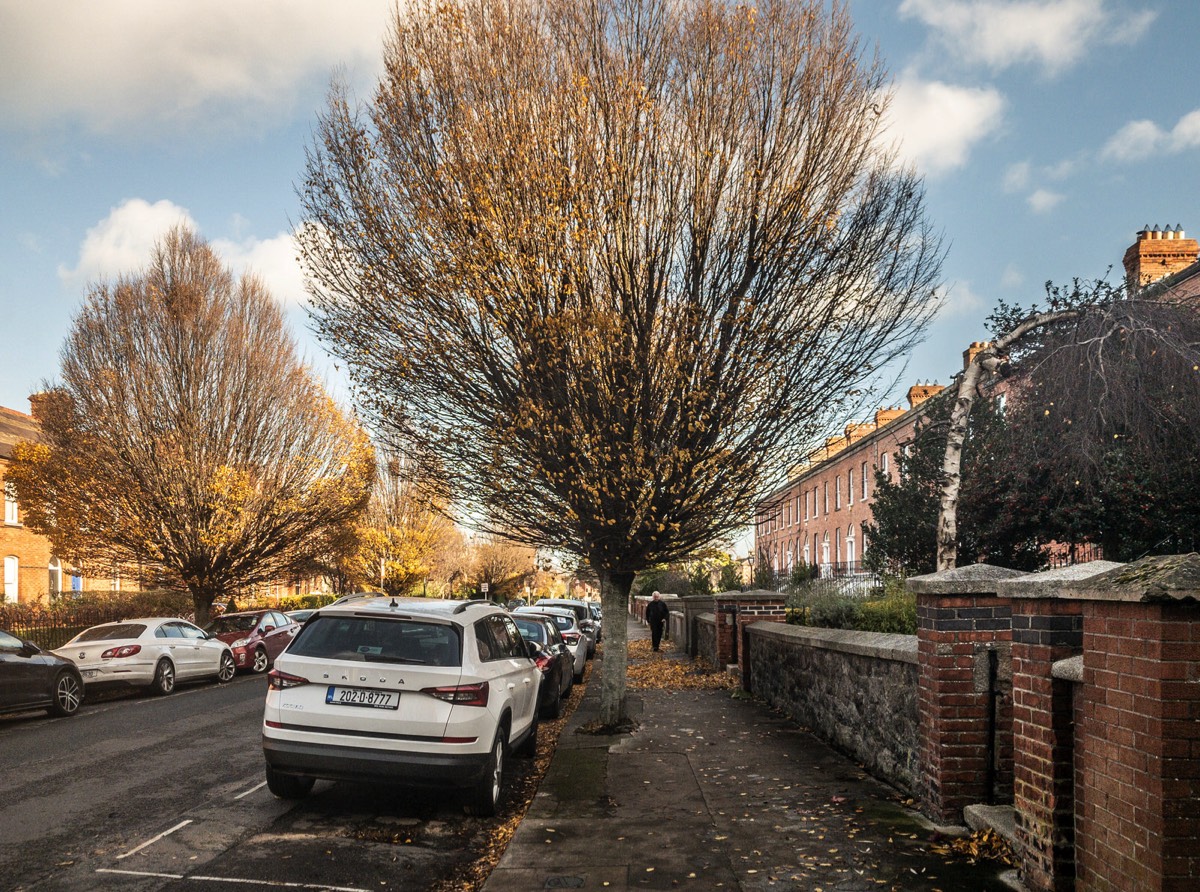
(571, 637)
(544, 662)
(461, 694)
(277, 680)
(126, 650)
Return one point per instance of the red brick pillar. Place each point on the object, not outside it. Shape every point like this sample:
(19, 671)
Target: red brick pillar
(1138, 739)
(1046, 629)
(734, 611)
(964, 635)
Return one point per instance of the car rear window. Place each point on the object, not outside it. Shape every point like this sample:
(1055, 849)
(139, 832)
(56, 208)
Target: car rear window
(375, 640)
(531, 630)
(107, 633)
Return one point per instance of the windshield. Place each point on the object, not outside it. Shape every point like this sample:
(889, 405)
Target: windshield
(531, 630)
(377, 640)
(235, 622)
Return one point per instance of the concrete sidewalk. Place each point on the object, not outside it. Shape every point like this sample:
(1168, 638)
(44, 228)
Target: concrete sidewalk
(715, 791)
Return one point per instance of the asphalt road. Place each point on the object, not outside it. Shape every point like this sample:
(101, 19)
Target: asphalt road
(149, 793)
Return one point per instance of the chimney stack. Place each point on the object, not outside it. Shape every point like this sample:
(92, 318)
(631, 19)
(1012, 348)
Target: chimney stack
(972, 351)
(1158, 253)
(918, 393)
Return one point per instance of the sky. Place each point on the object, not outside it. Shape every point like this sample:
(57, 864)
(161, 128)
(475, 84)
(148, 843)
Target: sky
(1048, 132)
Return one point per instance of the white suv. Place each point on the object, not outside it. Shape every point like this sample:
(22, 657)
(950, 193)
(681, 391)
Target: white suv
(408, 691)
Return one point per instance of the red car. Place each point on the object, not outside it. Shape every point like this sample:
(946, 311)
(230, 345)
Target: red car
(256, 637)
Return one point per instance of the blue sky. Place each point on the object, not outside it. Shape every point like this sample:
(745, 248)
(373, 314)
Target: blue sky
(1049, 132)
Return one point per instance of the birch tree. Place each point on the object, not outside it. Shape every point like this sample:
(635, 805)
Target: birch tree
(615, 266)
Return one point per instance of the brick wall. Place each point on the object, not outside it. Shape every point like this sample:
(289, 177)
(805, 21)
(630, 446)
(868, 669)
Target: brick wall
(1138, 752)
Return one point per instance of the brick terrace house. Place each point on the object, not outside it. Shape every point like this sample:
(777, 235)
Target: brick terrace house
(819, 517)
(31, 571)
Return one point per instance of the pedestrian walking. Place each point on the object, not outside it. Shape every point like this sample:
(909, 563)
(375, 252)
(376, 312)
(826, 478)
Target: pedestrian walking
(656, 616)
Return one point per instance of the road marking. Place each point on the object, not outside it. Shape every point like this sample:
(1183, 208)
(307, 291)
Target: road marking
(277, 884)
(251, 790)
(155, 839)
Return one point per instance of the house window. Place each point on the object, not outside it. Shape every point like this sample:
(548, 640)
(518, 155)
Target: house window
(825, 497)
(806, 504)
(55, 569)
(807, 553)
(825, 548)
(850, 486)
(837, 544)
(883, 463)
(863, 475)
(863, 538)
(796, 510)
(1001, 403)
(10, 504)
(850, 555)
(837, 493)
(12, 576)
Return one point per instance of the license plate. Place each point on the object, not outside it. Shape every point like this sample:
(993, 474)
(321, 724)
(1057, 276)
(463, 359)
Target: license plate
(363, 697)
(90, 673)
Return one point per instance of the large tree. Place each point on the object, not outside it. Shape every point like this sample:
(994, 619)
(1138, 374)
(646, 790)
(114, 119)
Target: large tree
(187, 436)
(616, 265)
(1106, 415)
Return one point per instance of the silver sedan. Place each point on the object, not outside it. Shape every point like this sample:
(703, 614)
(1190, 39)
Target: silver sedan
(155, 651)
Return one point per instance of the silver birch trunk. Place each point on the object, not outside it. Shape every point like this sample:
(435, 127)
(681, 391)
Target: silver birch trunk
(614, 599)
(981, 367)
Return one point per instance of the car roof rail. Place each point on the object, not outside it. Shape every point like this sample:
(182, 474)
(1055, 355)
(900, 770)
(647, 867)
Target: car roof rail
(471, 603)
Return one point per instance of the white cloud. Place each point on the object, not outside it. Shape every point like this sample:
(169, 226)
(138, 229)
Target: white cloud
(1016, 178)
(1012, 277)
(1054, 34)
(1141, 139)
(127, 66)
(1043, 201)
(936, 124)
(958, 300)
(122, 242)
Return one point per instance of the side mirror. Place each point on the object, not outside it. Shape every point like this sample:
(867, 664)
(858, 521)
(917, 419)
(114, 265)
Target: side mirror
(531, 649)
(266, 630)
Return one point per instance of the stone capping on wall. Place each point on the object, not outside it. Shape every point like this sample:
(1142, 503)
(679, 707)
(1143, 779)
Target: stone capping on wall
(972, 579)
(1172, 577)
(1050, 583)
(1070, 669)
(878, 645)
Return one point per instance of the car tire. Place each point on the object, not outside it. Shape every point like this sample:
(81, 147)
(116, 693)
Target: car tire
(288, 786)
(227, 670)
(164, 678)
(261, 661)
(552, 708)
(484, 797)
(68, 694)
(528, 747)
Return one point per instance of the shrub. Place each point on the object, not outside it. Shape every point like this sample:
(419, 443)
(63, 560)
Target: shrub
(891, 609)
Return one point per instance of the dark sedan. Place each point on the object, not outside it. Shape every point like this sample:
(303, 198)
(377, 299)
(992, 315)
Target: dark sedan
(555, 660)
(31, 678)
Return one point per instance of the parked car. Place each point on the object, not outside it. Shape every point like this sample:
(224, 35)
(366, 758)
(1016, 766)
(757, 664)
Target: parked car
(554, 658)
(155, 651)
(417, 692)
(568, 627)
(256, 637)
(32, 678)
(583, 615)
(300, 616)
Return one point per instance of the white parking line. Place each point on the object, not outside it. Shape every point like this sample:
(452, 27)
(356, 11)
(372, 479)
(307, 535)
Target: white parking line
(276, 884)
(251, 790)
(155, 839)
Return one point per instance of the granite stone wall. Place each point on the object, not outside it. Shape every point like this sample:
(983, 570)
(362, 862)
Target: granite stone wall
(857, 690)
(706, 639)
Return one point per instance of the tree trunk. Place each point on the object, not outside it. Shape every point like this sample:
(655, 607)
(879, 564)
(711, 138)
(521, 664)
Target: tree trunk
(614, 599)
(202, 601)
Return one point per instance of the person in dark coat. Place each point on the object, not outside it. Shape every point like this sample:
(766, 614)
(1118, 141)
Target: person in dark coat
(656, 616)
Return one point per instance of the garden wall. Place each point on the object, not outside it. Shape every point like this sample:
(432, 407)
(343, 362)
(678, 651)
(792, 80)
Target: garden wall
(857, 690)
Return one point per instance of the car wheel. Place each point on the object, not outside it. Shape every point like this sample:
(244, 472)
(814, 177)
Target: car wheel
(552, 708)
(260, 662)
(288, 786)
(528, 747)
(164, 678)
(68, 694)
(227, 670)
(485, 795)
